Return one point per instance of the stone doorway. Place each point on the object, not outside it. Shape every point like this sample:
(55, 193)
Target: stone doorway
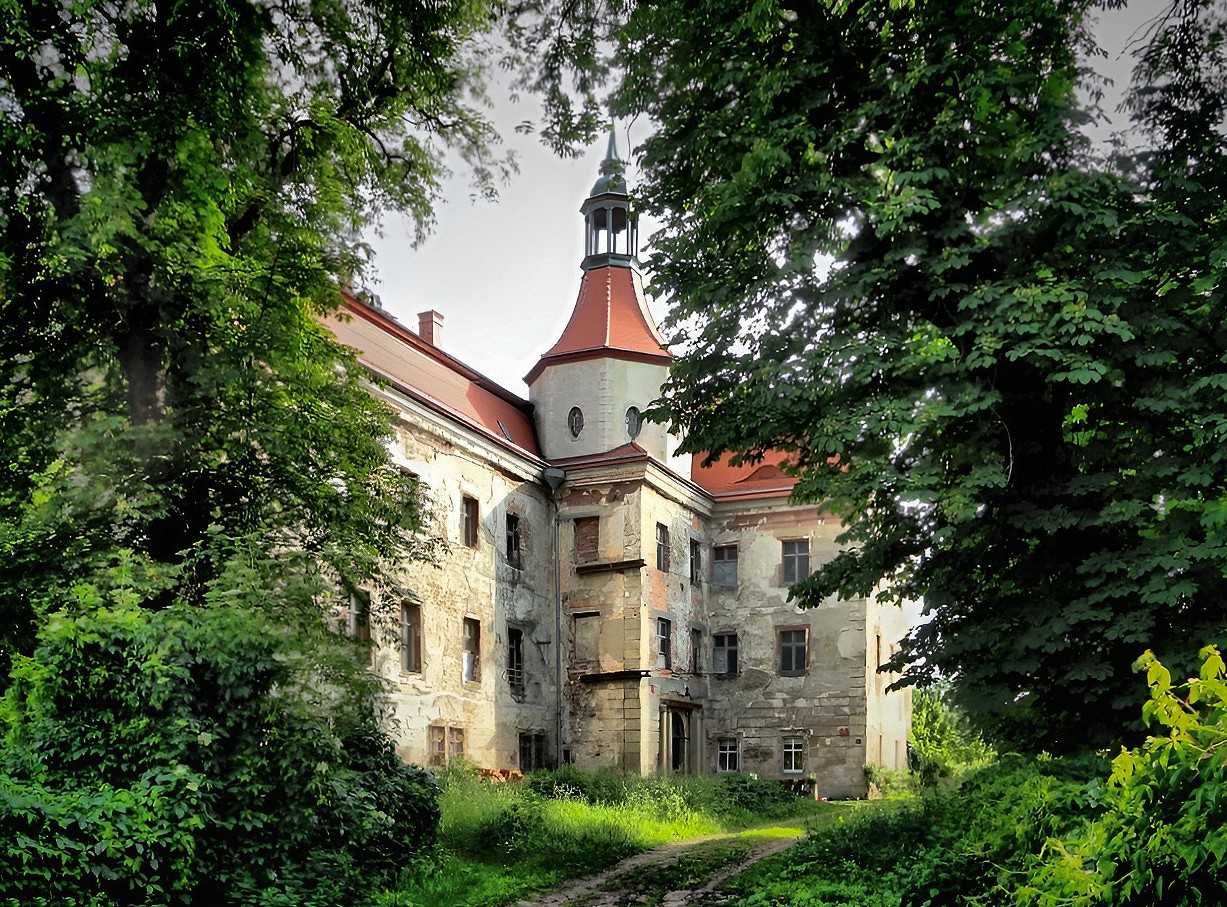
(679, 738)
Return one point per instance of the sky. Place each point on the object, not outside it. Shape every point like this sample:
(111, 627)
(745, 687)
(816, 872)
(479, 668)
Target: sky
(505, 274)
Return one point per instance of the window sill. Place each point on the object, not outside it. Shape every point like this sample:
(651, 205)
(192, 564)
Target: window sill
(792, 673)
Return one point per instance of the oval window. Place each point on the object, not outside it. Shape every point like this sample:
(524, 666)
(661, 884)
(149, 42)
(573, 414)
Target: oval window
(634, 422)
(575, 421)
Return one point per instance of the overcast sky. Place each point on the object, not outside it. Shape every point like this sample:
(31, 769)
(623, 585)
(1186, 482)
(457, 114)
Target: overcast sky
(505, 274)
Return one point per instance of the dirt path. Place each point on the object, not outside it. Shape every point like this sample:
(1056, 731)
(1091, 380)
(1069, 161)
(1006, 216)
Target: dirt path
(674, 875)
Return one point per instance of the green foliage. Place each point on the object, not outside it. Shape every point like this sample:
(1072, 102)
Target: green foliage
(190, 755)
(1163, 836)
(943, 743)
(993, 350)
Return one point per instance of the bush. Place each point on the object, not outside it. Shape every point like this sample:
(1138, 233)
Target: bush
(942, 741)
(1163, 836)
(155, 757)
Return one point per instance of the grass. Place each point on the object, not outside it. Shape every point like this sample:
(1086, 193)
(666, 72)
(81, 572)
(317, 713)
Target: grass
(501, 842)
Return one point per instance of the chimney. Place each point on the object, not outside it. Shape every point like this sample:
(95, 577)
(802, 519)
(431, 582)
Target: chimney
(430, 327)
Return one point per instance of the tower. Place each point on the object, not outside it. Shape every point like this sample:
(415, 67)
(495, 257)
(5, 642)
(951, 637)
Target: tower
(590, 388)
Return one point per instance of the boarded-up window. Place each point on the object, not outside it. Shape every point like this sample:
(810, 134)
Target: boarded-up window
(587, 629)
(724, 653)
(468, 521)
(455, 743)
(515, 660)
(587, 539)
(792, 651)
(471, 659)
(724, 566)
(411, 638)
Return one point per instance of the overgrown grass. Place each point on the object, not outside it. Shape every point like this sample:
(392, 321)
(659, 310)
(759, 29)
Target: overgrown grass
(499, 842)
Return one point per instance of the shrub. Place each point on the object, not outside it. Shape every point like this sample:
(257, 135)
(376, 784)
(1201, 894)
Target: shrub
(1163, 836)
(942, 741)
(155, 757)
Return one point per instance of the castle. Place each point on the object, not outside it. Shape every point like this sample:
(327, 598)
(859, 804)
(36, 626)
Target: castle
(593, 604)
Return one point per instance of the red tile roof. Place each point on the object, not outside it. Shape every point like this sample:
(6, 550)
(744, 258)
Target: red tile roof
(722, 479)
(610, 318)
(391, 350)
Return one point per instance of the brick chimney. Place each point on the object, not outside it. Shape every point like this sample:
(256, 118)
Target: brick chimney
(430, 327)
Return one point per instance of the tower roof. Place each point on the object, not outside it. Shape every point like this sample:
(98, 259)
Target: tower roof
(612, 178)
(610, 319)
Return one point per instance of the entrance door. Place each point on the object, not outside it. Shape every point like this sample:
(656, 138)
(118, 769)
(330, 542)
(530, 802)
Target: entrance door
(679, 742)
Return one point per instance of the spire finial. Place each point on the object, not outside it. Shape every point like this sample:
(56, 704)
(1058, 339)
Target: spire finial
(612, 177)
(611, 150)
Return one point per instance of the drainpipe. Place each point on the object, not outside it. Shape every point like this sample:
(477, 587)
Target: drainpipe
(554, 477)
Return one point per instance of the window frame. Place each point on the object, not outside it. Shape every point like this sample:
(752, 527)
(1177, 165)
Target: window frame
(794, 560)
(719, 647)
(664, 642)
(517, 676)
(782, 645)
(696, 650)
(534, 743)
(722, 751)
(718, 563)
(515, 556)
(792, 745)
(581, 526)
(696, 562)
(411, 638)
(358, 616)
(662, 547)
(469, 521)
(475, 651)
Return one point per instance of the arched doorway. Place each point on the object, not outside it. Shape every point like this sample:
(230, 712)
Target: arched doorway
(679, 748)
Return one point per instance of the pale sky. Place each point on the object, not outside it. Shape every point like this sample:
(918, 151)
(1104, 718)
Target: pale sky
(505, 274)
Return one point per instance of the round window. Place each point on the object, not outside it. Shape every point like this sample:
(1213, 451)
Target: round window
(634, 422)
(575, 421)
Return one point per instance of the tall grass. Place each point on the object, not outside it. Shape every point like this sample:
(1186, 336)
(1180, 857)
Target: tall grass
(501, 841)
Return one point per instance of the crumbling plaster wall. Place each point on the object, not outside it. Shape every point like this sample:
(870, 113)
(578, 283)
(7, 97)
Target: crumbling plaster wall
(476, 583)
(889, 714)
(826, 706)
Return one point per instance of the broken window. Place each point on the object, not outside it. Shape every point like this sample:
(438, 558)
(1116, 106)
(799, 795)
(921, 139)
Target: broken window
(358, 616)
(515, 660)
(724, 566)
(728, 755)
(513, 540)
(587, 635)
(445, 743)
(696, 646)
(724, 653)
(662, 547)
(471, 664)
(796, 560)
(794, 755)
(696, 562)
(792, 651)
(411, 638)
(664, 642)
(532, 751)
(468, 521)
(587, 539)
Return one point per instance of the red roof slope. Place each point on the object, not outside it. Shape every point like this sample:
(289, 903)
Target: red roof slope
(722, 479)
(390, 349)
(610, 318)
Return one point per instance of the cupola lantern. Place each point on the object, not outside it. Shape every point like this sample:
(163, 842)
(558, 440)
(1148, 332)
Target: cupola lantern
(611, 229)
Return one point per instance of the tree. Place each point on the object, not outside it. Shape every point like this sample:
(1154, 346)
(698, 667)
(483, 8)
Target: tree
(994, 351)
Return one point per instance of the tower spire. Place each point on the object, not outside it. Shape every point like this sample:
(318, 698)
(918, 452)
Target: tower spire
(611, 230)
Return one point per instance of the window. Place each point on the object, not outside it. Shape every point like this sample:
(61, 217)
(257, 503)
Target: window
(358, 616)
(634, 422)
(471, 664)
(796, 560)
(724, 652)
(664, 642)
(587, 634)
(575, 421)
(411, 638)
(532, 751)
(662, 547)
(696, 647)
(724, 566)
(468, 521)
(877, 662)
(728, 755)
(794, 755)
(792, 651)
(515, 660)
(513, 540)
(696, 563)
(587, 539)
(445, 743)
